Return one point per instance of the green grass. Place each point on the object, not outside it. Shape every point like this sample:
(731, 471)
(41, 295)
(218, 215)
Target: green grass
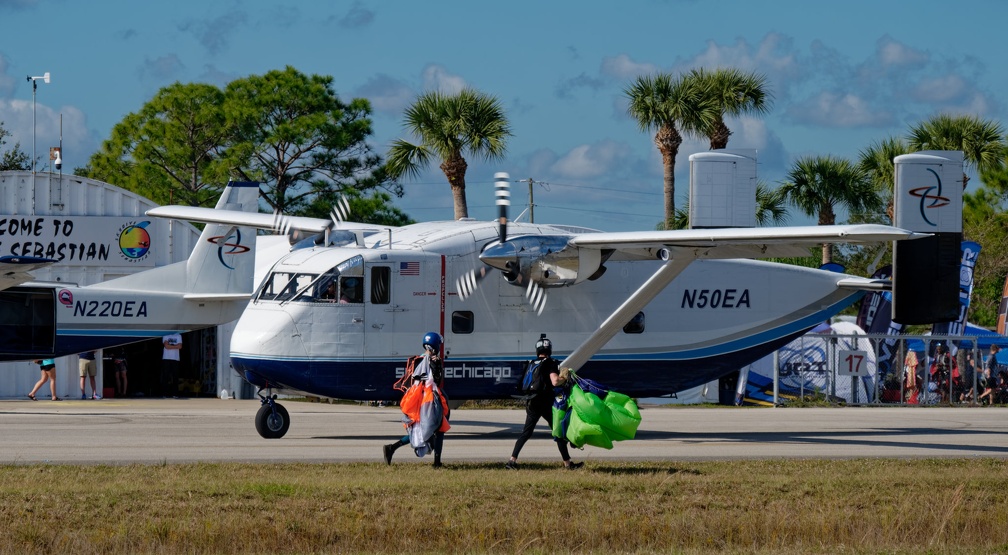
(792, 506)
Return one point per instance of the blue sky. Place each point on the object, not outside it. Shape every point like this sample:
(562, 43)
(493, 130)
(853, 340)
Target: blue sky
(843, 75)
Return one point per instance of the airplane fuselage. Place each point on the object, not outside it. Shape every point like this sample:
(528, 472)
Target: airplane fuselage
(714, 318)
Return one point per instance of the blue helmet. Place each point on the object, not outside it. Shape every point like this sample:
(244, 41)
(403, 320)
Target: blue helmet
(433, 340)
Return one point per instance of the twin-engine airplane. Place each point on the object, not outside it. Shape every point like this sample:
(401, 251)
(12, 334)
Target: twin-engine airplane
(45, 319)
(647, 313)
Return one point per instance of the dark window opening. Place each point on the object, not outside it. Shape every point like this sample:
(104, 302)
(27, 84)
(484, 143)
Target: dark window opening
(462, 321)
(635, 325)
(380, 279)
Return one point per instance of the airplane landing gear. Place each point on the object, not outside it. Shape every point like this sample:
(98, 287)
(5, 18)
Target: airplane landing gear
(272, 420)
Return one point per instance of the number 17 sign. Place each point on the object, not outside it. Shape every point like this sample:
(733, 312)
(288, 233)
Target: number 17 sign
(852, 363)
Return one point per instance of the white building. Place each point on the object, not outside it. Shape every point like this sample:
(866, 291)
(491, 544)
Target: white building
(78, 220)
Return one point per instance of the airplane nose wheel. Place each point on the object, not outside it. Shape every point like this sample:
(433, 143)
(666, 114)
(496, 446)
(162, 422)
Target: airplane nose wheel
(272, 420)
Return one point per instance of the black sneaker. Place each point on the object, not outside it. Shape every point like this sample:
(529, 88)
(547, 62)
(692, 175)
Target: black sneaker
(574, 465)
(387, 450)
(511, 465)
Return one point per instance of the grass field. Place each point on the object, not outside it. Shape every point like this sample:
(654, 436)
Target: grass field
(793, 506)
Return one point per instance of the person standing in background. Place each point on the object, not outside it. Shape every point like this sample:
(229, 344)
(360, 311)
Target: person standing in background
(119, 366)
(48, 367)
(88, 368)
(170, 363)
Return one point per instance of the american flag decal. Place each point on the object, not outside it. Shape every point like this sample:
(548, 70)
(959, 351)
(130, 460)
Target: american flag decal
(409, 268)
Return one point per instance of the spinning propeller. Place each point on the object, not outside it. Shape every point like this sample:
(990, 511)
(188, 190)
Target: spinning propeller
(291, 225)
(504, 255)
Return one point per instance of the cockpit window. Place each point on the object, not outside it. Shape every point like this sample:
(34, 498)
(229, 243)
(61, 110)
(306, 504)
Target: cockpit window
(344, 283)
(283, 286)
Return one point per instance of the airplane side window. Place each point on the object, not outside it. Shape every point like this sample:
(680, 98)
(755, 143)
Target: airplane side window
(462, 321)
(351, 290)
(635, 325)
(380, 279)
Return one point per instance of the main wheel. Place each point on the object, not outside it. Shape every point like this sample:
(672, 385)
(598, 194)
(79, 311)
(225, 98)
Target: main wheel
(272, 422)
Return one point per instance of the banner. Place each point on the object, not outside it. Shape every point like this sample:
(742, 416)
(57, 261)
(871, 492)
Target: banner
(970, 252)
(1003, 309)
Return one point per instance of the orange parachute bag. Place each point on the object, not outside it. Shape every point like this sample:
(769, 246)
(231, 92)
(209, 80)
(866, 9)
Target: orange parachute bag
(424, 406)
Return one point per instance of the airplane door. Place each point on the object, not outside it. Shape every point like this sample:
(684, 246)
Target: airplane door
(398, 318)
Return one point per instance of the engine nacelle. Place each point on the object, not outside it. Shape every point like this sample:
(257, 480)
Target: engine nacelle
(545, 259)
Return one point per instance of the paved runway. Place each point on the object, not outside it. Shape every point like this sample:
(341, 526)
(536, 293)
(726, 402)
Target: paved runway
(125, 431)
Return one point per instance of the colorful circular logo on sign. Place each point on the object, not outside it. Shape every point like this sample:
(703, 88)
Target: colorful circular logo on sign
(134, 241)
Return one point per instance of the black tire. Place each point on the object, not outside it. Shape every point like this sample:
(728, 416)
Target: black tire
(272, 423)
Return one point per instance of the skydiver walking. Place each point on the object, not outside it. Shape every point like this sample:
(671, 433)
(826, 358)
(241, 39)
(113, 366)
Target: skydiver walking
(540, 405)
(432, 343)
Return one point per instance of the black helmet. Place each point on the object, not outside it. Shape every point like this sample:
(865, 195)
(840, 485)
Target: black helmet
(544, 346)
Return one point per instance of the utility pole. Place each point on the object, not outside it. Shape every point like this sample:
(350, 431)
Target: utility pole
(531, 203)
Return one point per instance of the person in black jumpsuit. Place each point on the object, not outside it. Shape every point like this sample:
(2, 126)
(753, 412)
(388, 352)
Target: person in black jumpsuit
(541, 406)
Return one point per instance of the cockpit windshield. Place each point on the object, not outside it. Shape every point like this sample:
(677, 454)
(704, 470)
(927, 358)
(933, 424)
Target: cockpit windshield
(284, 286)
(343, 284)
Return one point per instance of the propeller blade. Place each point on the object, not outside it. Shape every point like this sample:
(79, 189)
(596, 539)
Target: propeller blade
(341, 212)
(502, 190)
(281, 222)
(467, 283)
(536, 297)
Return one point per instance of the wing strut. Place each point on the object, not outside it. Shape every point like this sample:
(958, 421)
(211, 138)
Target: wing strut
(637, 301)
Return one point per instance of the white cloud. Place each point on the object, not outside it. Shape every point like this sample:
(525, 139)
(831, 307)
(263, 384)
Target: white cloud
(622, 67)
(940, 89)
(831, 109)
(437, 78)
(386, 93)
(588, 161)
(77, 143)
(893, 53)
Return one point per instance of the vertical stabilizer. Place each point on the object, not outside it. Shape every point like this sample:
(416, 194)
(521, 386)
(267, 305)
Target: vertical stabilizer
(928, 199)
(223, 261)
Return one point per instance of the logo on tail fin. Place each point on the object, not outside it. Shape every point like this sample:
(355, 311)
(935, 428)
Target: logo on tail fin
(924, 194)
(224, 242)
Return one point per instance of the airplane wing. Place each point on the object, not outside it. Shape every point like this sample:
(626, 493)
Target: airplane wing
(679, 248)
(235, 217)
(762, 242)
(15, 270)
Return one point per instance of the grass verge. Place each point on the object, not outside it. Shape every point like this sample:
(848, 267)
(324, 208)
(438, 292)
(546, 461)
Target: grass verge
(792, 506)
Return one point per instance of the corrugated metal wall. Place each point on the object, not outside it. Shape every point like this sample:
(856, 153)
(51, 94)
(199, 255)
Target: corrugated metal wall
(53, 194)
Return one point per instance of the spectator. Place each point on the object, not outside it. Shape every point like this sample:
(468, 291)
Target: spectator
(170, 361)
(88, 369)
(48, 368)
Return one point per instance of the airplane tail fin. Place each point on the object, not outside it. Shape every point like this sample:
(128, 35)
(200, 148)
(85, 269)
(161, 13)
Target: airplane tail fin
(929, 191)
(222, 263)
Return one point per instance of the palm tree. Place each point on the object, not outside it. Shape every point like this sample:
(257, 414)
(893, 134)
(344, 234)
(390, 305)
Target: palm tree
(671, 106)
(733, 93)
(448, 126)
(816, 185)
(877, 162)
(981, 141)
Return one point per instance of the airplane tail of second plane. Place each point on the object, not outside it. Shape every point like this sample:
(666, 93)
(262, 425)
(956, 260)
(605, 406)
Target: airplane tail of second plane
(222, 263)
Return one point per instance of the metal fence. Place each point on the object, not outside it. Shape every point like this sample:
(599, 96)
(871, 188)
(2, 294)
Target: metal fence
(886, 369)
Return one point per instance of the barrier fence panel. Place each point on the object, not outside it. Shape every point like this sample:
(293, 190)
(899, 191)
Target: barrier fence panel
(862, 369)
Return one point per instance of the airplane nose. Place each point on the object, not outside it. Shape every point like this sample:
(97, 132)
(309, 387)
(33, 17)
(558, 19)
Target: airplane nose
(264, 333)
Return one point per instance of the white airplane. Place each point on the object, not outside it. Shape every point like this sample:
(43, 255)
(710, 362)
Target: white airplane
(647, 313)
(47, 319)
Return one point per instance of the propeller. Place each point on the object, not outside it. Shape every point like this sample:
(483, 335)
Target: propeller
(467, 284)
(292, 226)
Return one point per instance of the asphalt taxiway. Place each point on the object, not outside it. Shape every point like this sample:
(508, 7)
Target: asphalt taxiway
(150, 431)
